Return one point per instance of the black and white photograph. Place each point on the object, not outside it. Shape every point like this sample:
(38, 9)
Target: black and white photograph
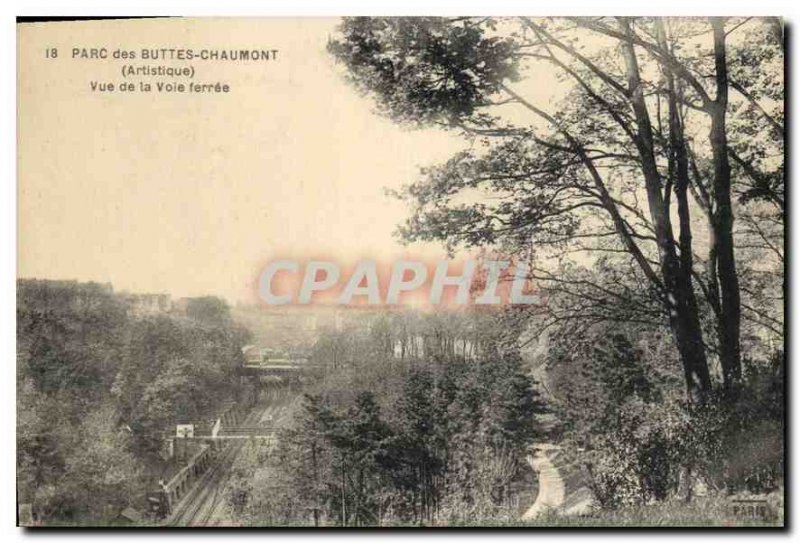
(401, 272)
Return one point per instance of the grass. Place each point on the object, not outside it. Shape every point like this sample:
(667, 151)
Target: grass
(703, 512)
(700, 512)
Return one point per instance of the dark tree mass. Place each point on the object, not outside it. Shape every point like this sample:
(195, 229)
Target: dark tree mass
(99, 387)
(635, 157)
(637, 164)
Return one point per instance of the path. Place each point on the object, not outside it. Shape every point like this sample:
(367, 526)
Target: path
(563, 486)
(551, 485)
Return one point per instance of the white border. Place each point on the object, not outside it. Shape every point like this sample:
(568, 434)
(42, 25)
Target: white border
(408, 7)
(787, 9)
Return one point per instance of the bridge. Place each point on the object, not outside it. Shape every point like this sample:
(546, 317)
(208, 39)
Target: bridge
(277, 367)
(235, 432)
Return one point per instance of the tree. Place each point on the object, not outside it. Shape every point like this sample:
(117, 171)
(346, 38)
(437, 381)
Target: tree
(358, 441)
(429, 436)
(209, 309)
(97, 388)
(421, 446)
(604, 177)
(308, 456)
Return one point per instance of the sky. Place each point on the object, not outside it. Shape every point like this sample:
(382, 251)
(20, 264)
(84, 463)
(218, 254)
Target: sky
(191, 194)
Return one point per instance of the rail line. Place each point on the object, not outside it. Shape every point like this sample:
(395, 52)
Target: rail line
(197, 508)
(200, 504)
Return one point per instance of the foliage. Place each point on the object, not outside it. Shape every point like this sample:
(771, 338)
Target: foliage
(646, 192)
(97, 388)
(618, 395)
(425, 68)
(620, 170)
(418, 440)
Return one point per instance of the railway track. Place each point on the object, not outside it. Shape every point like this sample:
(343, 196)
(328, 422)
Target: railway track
(199, 506)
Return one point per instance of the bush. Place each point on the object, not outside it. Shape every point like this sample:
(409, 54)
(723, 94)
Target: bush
(624, 403)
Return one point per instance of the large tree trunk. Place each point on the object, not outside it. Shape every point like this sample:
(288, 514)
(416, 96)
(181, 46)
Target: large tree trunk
(730, 314)
(678, 296)
(679, 177)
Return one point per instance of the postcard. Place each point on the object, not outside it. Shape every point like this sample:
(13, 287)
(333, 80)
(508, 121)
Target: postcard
(511, 272)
